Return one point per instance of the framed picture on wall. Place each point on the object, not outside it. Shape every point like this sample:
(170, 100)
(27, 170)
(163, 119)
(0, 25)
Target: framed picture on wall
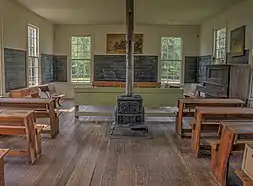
(237, 41)
(116, 43)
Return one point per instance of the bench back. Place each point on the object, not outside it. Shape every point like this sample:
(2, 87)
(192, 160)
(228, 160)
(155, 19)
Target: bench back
(51, 89)
(32, 92)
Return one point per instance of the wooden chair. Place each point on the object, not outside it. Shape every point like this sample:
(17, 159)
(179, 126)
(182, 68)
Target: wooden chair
(54, 94)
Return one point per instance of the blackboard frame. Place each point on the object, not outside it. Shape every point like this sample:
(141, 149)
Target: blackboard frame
(25, 80)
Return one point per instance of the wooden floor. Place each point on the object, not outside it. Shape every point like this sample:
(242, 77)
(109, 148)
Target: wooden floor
(83, 154)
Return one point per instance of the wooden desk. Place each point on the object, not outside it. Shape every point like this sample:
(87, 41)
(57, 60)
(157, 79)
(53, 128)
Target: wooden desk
(184, 104)
(3, 152)
(223, 113)
(246, 181)
(21, 122)
(43, 108)
(230, 140)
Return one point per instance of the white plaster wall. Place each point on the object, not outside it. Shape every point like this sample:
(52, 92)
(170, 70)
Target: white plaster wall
(15, 19)
(236, 16)
(151, 41)
(15, 22)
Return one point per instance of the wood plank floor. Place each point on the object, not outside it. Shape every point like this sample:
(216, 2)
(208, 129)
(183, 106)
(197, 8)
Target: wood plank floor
(83, 155)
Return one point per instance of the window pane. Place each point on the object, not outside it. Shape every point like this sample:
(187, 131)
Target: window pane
(220, 45)
(171, 51)
(81, 55)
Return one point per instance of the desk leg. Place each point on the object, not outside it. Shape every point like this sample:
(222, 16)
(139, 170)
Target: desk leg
(76, 110)
(179, 122)
(195, 139)
(54, 120)
(2, 182)
(31, 139)
(224, 152)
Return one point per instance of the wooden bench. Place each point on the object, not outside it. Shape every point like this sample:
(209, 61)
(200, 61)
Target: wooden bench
(232, 140)
(223, 113)
(50, 88)
(43, 108)
(30, 92)
(189, 104)
(21, 123)
(246, 181)
(3, 152)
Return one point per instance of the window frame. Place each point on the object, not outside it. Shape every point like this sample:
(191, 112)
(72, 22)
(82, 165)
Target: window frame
(33, 56)
(219, 60)
(81, 59)
(180, 61)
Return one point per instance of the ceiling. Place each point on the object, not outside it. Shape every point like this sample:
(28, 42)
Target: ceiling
(172, 12)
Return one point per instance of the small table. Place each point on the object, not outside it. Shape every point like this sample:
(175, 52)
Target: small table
(184, 104)
(3, 152)
(221, 112)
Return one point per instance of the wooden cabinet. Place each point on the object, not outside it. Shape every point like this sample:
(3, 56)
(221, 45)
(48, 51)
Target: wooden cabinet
(226, 81)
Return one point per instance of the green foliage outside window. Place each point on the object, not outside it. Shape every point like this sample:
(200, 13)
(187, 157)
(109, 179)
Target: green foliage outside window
(81, 58)
(171, 49)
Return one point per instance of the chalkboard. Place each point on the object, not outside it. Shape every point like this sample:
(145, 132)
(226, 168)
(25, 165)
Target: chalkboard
(113, 68)
(47, 68)
(61, 68)
(15, 69)
(191, 69)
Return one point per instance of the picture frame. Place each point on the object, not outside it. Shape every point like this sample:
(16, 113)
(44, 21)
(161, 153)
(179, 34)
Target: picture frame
(237, 41)
(116, 43)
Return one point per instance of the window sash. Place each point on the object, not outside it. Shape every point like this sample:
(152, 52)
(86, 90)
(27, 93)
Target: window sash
(33, 71)
(80, 59)
(220, 44)
(171, 60)
(33, 41)
(170, 71)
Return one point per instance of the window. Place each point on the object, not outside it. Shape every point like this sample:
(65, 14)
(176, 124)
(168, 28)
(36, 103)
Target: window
(220, 45)
(80, 59)
(171, 58)
(33, 55)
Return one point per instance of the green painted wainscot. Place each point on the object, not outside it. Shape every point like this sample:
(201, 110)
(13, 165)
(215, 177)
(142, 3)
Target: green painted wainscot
(95, 97)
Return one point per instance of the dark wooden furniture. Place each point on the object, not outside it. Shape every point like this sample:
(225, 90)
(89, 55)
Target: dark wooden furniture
(50, 91)
(246, 181)
(44, 89)
(218, 114)
(44, 108)
(226, 81)
(3, 152)
(22, 123)
(53, 94)
(187, 107)
(235, 134)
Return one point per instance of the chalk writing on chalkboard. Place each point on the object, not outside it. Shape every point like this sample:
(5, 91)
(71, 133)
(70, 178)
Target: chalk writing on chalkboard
(15, 69)
(47, 68)
(113, 68)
